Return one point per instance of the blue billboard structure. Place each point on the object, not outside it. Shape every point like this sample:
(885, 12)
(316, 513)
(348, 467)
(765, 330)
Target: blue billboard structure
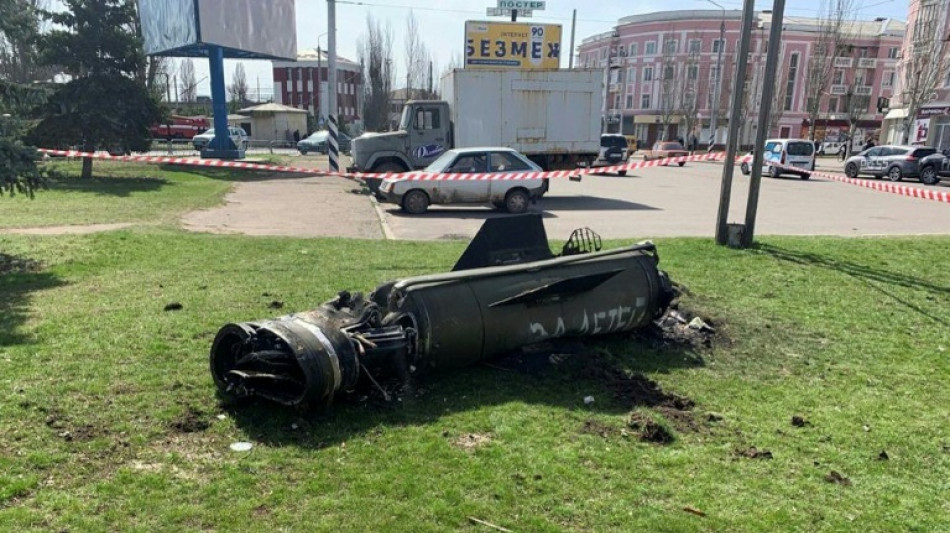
(219, 29)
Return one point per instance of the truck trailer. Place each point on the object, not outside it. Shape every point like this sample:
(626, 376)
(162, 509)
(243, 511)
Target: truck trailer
(551, 116)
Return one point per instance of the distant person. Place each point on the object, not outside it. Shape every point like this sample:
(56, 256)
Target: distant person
(296, 136)
(868, 145)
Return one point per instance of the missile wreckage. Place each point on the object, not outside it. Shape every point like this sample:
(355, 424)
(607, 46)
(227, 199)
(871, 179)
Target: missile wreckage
(507, 291)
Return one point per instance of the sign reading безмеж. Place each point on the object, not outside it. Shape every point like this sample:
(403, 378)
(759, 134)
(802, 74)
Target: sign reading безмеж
(520, 4)
(512, 44)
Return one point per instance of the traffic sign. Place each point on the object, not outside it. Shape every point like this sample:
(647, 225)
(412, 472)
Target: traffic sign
(521, 4)
(499, 12)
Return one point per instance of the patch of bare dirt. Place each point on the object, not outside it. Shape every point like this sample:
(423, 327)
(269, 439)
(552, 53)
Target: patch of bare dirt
(649, 430)
(13, 264)
(754, 453)
(594, 427)
(472, 441)
(75, 229)
(191, 421)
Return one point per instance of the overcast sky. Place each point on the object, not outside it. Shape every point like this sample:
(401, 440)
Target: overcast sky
(442, 24)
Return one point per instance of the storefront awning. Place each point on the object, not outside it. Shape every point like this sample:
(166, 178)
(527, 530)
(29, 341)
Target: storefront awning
(895, 114)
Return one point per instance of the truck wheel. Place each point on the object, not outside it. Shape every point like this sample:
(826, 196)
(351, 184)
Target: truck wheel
(621, 173)
(928, 175)
(415, 202)
(516, 201)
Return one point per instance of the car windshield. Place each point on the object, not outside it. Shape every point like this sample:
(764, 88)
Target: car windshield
(613, 142)
(318, 136)
(406, 119)
(924, 152)
(442, 161)
(801, 148)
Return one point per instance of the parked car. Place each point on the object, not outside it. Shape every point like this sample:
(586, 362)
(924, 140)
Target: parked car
(934, 167)
(319, 142)
(746, 166)
(614, 150)
(895, 162)
(514, 196)
(664, 149)
(785, 153)
(238, 136)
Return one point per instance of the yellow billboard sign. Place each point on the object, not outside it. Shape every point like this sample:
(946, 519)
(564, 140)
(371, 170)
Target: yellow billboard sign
(513, 45)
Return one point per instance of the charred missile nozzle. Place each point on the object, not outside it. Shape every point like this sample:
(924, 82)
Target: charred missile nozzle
(507, 291)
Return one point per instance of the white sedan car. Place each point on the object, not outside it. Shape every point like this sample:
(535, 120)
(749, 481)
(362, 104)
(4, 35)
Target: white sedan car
(512, 195)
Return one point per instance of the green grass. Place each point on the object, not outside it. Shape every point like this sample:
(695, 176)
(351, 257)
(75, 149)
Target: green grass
(851, 334)
(121, 193)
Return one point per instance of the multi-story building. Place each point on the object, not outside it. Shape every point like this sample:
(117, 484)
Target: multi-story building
(657, 61)
(922, 88)
(303, 84)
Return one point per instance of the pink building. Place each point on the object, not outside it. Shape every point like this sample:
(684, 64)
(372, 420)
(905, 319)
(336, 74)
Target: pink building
(923, 53)
(684, 46)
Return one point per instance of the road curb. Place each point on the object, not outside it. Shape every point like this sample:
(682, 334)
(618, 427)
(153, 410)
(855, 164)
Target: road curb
(387, 231)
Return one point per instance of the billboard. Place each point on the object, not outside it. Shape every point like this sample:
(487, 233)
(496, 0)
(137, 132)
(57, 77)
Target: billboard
(244, 28)
(513, 45)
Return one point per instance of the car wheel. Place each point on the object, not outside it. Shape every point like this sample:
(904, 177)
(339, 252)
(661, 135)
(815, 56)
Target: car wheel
(516, 201)
(744, 168)
(851, 170)
(895, 174)
(774, 171)
(621, 172)
(681, 163)
(804, 176)
(303, 152)
(415, 202)
(928, 175)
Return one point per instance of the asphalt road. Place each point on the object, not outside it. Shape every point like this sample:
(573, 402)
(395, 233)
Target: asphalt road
(684, 201)
(648, 203)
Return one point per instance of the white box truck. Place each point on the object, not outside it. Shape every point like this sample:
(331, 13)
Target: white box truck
(551, 116)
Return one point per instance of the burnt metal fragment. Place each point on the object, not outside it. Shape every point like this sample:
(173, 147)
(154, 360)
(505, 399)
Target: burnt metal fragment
(507, 292)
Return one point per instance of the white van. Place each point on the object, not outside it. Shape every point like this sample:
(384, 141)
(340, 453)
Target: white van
(798, 153)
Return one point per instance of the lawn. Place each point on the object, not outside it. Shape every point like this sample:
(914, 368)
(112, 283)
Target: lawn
(111, 422)
(130, 193)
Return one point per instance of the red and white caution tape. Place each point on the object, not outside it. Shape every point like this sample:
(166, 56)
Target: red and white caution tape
(913, 192)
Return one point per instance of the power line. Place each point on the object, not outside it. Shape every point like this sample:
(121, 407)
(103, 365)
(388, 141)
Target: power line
(463, 11)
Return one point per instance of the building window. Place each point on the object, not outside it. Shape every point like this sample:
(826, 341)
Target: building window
(695, 46)
(629, 101)
(790, 86)
(838, 77)
(692, 72)
(645, 101)
(632, 74)
(717, 46)
(863, 51)
(617, 102)
(888, 79)
(833, 105)
(603, 53)
(892, 52)
(669, 72)
(650, 48)
(633, 49)
(670, 46)
(647, 73)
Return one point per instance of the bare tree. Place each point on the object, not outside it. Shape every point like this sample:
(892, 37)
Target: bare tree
(829, 44)
(670, 87)
(375, 50)
(238, 89)
(856, 106)
(928, 60)
(689, 102)
(416, 56)
(189, 83)
(779, 92)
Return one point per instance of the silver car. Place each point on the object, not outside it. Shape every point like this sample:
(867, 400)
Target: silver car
(895, 162)
(514, 196)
